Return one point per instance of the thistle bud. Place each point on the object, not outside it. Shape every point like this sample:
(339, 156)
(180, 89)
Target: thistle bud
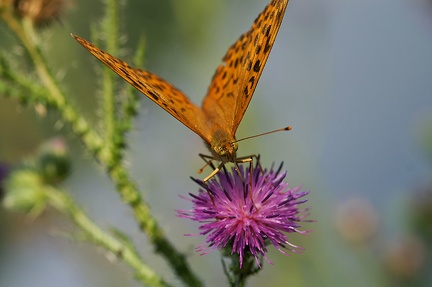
(24, 191)
(53, 161)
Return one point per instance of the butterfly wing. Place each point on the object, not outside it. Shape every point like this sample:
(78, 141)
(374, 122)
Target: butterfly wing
(156, 89)
(235, 79)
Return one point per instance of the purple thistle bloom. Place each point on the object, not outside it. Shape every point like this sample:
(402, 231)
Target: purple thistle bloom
(247, 221)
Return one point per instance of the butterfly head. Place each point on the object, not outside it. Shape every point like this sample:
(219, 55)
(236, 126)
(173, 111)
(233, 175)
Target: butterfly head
(224, 146)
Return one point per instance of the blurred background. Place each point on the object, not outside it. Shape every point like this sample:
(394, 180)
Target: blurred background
(353, 78)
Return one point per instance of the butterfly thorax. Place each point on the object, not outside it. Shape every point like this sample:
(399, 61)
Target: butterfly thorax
(223, 145)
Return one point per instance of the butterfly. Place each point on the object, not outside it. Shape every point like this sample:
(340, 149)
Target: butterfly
(229, 93)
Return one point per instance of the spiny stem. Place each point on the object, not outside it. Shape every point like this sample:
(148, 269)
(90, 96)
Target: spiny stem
(92, 140)
(65, 204)
(35, 55)
(94, 143)
(110, 112)
(148, 224)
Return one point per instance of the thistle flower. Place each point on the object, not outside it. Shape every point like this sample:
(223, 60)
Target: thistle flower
(247, 220)
(41, 12)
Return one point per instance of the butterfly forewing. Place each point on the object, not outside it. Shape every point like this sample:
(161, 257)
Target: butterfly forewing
(155, 88)
(236, 78)
(229, 93)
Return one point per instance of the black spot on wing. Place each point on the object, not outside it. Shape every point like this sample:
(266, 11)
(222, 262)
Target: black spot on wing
(258, 49)
(248, 65)
(267, 46)
(153, 95)
(246, 92)
(257, 66)
(252, 80)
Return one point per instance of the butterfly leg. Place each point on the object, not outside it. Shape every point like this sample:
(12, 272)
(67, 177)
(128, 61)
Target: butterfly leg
(208, 160)
(214, 172)
(249, 159)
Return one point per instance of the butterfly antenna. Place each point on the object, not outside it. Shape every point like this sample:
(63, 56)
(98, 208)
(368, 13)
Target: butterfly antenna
(202, 169)
(208, 162)
(288, 128)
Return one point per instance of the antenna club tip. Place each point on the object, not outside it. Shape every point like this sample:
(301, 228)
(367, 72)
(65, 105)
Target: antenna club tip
(288, 128)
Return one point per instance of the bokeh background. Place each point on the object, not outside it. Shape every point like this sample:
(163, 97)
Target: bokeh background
(353, 78)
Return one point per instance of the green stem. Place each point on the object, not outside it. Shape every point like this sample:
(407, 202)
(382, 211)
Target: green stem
(149, 225)
(108, 83)
(91, 139)
(35, 55)
(94, 143)
(237, 276)
(65, 204)
(111, 26)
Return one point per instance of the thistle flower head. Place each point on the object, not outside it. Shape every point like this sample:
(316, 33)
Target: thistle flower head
(247, 210)
(41, 12)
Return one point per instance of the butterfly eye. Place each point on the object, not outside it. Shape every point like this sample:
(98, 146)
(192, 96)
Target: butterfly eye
(220, 150)
(234, 146)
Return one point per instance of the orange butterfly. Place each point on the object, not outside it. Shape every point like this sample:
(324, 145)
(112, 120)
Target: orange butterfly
(229, 93)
